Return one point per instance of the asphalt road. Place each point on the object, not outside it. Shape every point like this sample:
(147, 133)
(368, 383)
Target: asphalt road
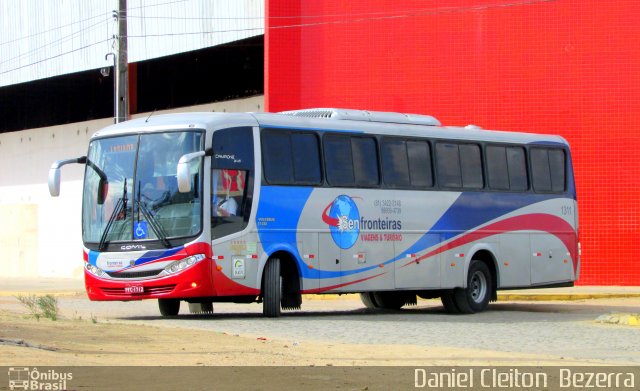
(557, 328)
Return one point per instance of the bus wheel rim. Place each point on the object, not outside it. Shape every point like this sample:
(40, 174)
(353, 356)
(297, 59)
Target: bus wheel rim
(478, 286)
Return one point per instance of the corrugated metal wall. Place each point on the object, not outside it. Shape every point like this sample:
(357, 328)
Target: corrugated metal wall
(45, 38)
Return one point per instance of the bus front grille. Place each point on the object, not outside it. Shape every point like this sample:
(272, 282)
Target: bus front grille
(148, 290)
(147, 273)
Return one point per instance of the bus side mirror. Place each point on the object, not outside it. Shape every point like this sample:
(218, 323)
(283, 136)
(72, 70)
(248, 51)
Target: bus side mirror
(54, 181)
(54, 174)
(184, 173)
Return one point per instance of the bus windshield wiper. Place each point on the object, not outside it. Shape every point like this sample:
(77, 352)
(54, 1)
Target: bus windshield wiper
(153, 223)
(120, 206)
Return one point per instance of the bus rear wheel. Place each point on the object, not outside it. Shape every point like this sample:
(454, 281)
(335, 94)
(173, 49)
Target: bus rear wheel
(169, 307)
(368, 300)
(393, 300)
(449, 302)
(476, 296)
(271, 289)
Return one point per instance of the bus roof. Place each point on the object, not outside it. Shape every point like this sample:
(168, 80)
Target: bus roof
(357, 121)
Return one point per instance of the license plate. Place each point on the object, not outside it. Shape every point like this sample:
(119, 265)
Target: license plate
(134, 289)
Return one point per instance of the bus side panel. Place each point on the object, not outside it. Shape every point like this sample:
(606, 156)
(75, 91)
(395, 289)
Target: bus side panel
(550, 260)
(376, 254)
(515, 260)
(452, 267)
(421, 274)
(328, 276)
(308, 249)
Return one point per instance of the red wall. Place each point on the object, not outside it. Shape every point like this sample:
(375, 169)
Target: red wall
(570, 67)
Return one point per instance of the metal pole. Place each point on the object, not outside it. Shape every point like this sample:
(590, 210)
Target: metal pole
(122, 78)
(115, 85)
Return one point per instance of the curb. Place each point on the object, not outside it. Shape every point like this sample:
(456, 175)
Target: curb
(563, 296)
(503, 296)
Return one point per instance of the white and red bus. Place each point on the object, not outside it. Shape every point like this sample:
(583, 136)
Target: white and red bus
(259, 207)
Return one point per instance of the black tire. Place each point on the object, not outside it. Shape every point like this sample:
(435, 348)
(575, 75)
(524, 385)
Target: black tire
(368, 300)
(476, 296)
(207, 307)
(169, 307)
(449, 303)
(271, 289)
(391, 300)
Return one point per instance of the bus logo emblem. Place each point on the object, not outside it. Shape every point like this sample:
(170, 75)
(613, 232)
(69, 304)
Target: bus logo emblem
(343, 218)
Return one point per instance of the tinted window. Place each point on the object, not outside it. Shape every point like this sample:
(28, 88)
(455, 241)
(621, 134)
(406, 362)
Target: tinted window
(291, 158)
(540, 170)
(365, 161)
(306, 158)
(448, 164)
(338, 160)
(395, 166)
(557, 168)
(517, 165)
(276, 155)
(420, 163)
(497, 168)
(235, 142)
(471, 166)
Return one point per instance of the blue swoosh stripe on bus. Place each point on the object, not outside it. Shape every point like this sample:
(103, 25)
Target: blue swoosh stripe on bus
(152, 255)
(148, 256)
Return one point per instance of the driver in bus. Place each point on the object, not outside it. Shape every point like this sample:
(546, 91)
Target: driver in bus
(225, 204)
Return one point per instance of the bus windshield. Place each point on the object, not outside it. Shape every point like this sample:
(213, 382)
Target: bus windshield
(131, 192)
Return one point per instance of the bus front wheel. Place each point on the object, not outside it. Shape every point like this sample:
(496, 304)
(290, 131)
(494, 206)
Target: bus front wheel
(169, 307)
(271, 289)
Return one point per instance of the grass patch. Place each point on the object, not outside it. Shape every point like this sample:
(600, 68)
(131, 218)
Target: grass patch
(40, 306)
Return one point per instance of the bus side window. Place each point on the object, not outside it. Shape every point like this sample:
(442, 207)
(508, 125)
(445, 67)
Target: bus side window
(278, 167)
(557, 167)
(448, 164)
(540, 170)
(419, 153)
(517, 165)
(497, 167)
(338, 160)
(365, 161)
(471, 166)
(291, 158)
(306, 159)
(395, 163)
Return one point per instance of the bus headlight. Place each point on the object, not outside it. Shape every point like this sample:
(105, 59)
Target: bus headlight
(96, 271)
(177, 266)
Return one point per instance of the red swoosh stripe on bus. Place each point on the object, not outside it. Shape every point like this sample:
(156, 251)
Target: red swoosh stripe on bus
(328, 219)
(535, 222)
(327, 288)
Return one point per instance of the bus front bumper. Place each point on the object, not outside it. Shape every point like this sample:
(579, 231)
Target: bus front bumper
(192, 282)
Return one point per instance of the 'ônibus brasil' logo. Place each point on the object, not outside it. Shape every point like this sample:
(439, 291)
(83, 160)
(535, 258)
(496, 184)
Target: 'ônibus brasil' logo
(343, 218)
